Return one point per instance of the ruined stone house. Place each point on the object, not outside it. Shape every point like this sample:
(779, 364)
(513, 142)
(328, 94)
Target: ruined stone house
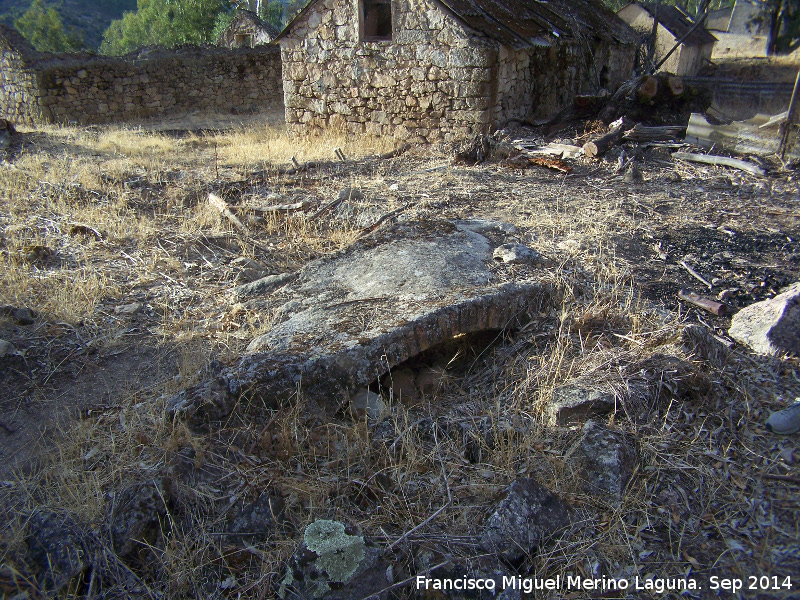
(674, 25)
(431, 69)
(247, 30)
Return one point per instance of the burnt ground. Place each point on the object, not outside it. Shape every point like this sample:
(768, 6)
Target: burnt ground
(601, 237)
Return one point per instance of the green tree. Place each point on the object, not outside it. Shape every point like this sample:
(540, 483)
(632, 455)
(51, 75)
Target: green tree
(42, 27)
(781, 21)
(165, 23)
(274, 14)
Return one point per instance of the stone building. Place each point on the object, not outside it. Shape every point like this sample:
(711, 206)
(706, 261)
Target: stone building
(430, 69)
(247, 30)
(673, 25)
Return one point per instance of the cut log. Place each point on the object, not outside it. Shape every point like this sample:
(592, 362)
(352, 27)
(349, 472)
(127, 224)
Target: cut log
(725, 161)
(647, 90)
(642, 133)
(597, 147)
(675, 85)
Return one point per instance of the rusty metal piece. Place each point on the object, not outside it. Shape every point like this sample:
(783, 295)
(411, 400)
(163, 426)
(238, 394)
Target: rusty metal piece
(704, 302)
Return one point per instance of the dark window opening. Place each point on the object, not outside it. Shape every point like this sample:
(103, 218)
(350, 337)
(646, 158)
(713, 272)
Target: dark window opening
(376, 20)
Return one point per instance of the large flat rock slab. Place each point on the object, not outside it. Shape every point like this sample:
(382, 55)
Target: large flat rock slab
(345, 321)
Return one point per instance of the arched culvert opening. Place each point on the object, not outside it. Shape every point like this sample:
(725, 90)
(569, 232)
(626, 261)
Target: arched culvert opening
(439, 370)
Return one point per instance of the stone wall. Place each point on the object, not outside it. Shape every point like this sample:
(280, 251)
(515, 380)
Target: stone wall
(17, 84)
(80, 88)
(435, 79)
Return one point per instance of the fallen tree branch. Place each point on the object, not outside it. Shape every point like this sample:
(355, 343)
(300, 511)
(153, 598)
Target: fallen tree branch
(696, 275)
(225, 210)
(380, 221)
(725, 161)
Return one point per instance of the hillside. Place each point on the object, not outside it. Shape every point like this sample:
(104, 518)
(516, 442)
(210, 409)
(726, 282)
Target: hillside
(91, 17)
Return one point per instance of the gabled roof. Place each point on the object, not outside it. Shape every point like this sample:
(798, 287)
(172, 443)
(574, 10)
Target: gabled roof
(520, 23)
(679, 24)
(247, 17)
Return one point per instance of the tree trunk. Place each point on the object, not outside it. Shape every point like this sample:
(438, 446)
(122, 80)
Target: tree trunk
(774, 28)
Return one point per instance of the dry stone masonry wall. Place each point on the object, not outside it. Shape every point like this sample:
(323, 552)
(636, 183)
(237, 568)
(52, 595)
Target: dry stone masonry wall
(432, 80)
(80, 88)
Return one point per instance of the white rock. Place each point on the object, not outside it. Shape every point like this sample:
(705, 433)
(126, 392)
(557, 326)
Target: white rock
(772, 326)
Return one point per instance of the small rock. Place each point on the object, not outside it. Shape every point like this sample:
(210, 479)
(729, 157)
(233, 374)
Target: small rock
(672, 177)
(573, 404)
(58, 549)
(128, 309)
(256, 521)
(633, 175)
(608, 458)
(527, 516)
(516, 254)
(369, 404)
(350, 193)
(335, 562)
(265, 285)
(135, 520)
(716, 281)
(7, 349)
(35, 253)
(247, 270)
(725, 295)
(20, 316)
(771, 326)
(208, 402)
(571, 246)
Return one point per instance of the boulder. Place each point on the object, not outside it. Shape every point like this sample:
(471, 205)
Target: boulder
(527, 516)
(256, 521)
(335, 562)
(59, 549)
(608, 458)
(135, 520)
(771, 326)
(573, 403)
(349, 319)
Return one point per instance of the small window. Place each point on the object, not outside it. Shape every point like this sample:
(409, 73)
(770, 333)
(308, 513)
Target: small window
(243, 39)
(376, 20)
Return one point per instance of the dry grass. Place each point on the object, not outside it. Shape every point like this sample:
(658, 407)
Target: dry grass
(703, 457)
